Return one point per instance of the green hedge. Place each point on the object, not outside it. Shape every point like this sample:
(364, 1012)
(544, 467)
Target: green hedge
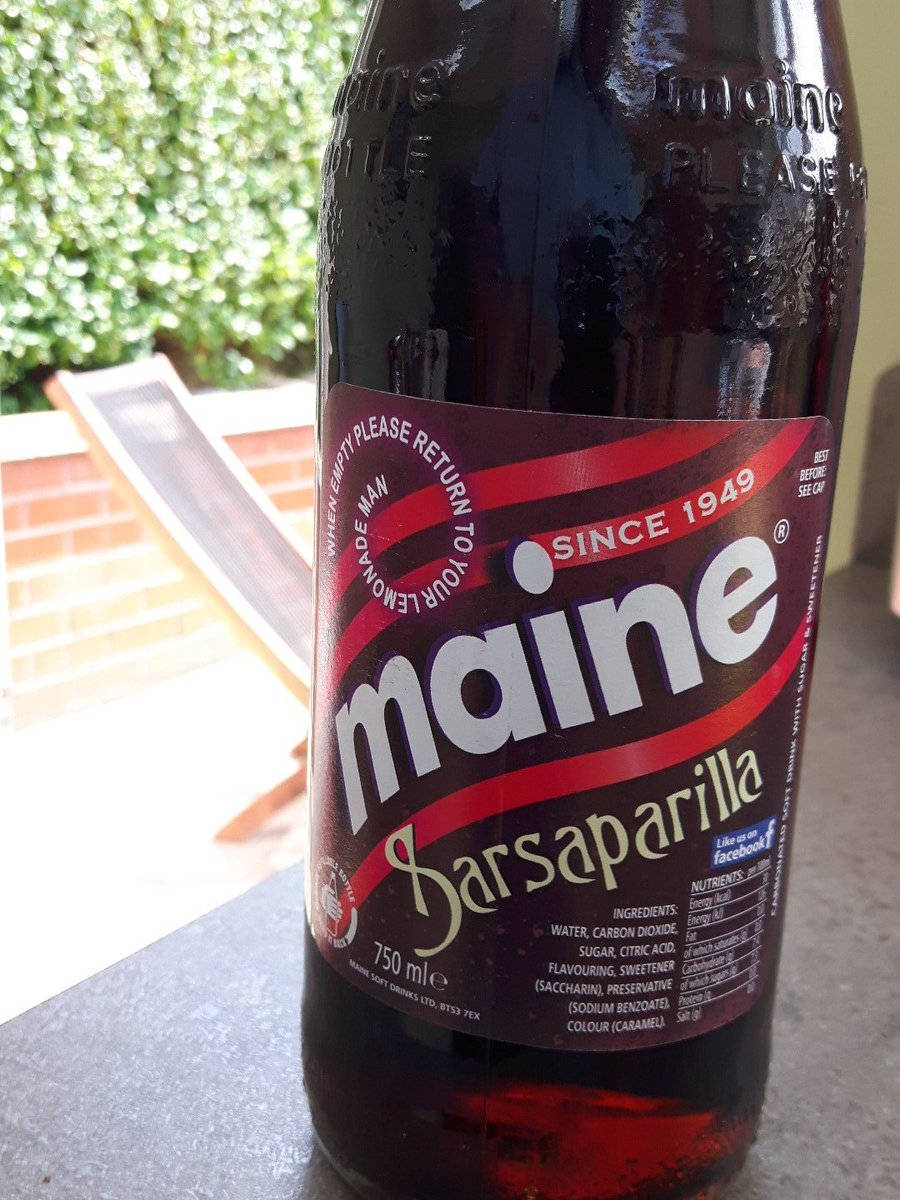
(159, 175)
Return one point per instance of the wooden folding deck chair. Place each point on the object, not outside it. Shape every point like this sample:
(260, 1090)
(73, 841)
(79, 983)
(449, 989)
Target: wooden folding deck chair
(211, 517)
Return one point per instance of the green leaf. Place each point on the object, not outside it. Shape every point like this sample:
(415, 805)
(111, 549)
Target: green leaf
(159, 169)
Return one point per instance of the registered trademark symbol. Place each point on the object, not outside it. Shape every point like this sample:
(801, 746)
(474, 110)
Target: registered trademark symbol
(782, 531)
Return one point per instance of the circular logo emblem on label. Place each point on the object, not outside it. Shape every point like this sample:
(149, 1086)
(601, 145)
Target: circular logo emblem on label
(334, 903)
(391, 480)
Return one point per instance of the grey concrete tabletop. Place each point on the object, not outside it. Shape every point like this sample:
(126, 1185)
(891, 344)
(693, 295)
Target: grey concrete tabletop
(175, 1074)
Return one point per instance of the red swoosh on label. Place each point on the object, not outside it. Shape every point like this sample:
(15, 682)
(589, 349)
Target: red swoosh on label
(765, 464)
(374, 617)
(536, 479)
(596, 769)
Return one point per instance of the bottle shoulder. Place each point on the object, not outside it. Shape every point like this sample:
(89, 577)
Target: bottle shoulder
(535, 183)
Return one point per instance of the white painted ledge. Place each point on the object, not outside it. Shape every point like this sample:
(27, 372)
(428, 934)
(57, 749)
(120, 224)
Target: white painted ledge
(291, 405)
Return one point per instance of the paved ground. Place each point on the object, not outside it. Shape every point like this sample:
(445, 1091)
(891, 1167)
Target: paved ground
(108, 817)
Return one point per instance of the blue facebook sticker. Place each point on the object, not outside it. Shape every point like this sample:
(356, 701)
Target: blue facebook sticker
(743, 844)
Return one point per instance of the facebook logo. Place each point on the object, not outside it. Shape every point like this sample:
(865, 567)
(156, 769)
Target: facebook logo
(742, 845)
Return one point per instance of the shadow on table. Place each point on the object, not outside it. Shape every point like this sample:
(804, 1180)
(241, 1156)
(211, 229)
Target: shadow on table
(321, 1181)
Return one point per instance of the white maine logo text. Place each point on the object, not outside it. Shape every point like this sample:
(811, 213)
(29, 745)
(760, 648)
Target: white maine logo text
(578, 676)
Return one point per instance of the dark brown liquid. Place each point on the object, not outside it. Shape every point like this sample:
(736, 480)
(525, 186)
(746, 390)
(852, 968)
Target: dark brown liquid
(648, 208)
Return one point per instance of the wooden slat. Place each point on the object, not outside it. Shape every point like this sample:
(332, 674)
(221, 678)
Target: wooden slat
(196, 496)
(259, 810)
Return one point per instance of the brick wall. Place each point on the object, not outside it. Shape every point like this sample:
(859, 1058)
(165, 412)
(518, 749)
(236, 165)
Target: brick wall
(96, 609)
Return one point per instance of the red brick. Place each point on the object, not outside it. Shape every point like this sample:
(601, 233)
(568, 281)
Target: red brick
(67, 506)
(80, 468)
(144, 560)
(251, 445)
(278, 471)
(175, 591)
(28, 628)
(69, 577)
(127, 533)
(94, 615)
(106, 535)
(65, 581)
(93, 649)
(298, 440)
(302, 477)
(21, 668)
(103, 612)
(37, 701)
(40, 548)
(15, 515)
(253, 461)
(146, 633)
(34, 475)
(44, 662)
(293, 499)
(66, 656)
(18, 594)
(104, 678)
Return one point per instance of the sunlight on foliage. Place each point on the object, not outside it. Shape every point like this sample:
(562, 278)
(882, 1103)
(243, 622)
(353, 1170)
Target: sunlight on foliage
(159, 176)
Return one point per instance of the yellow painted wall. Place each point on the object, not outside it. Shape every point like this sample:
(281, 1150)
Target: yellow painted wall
(873, 34)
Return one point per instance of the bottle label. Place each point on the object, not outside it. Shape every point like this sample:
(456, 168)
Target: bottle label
(561, 670)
